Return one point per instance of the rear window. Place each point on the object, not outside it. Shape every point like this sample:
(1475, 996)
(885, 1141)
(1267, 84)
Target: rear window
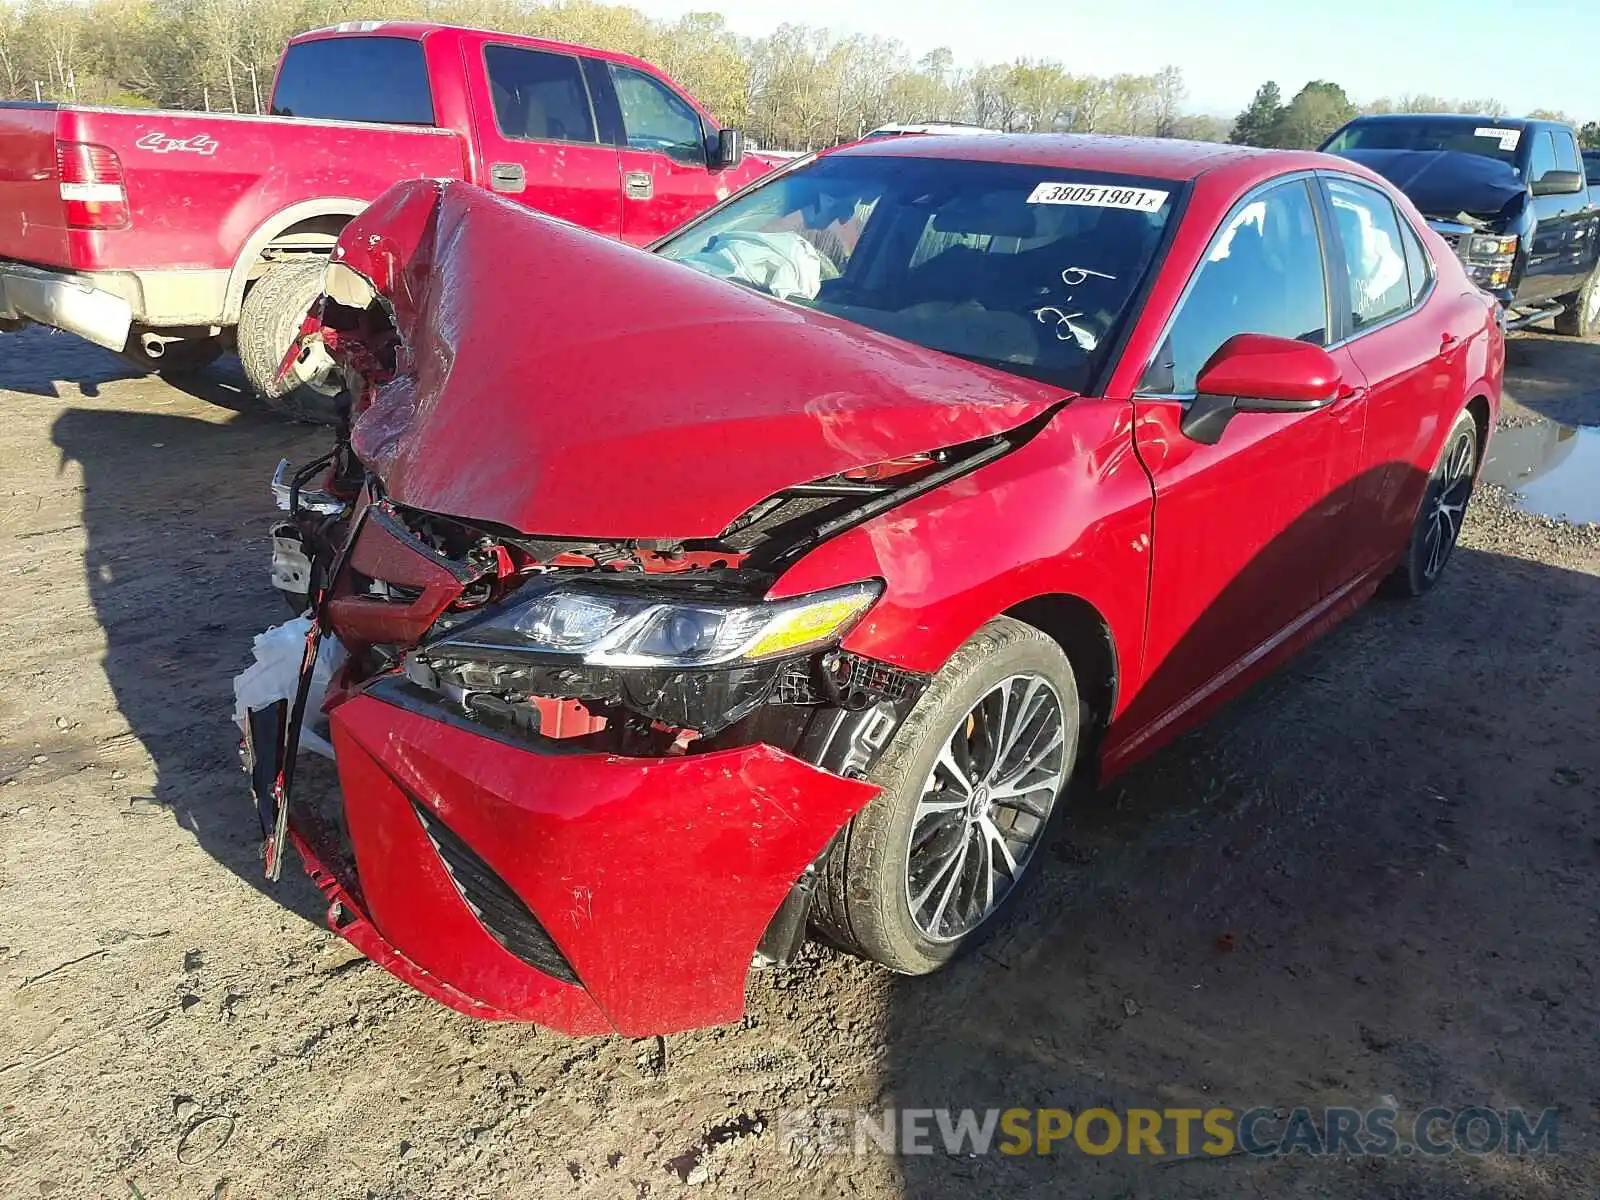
(380, 79)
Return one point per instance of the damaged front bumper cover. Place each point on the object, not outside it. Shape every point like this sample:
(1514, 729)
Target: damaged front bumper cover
(589, 893)
(570, 881)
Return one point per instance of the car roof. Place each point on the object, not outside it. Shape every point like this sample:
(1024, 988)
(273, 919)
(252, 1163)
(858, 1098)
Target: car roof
(1153, 158)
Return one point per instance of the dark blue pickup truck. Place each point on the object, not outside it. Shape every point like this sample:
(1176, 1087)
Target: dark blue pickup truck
(1511, 197)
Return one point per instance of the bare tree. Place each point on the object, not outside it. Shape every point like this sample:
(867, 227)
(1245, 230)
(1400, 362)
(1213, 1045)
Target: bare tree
(1170, 93)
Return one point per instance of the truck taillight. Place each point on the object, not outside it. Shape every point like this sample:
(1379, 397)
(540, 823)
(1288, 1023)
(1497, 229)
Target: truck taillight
(91, 186)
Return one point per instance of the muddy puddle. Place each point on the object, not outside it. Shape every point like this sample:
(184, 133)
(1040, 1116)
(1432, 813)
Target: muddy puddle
(1554, 469)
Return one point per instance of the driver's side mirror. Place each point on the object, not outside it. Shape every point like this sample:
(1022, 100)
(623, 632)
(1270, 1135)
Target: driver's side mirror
(1259, 373)
(1558, 183)
(727, 149)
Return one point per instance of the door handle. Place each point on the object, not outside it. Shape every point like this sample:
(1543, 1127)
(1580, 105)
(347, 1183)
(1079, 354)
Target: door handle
(638, 185)
(1447, 340)
(508, 177)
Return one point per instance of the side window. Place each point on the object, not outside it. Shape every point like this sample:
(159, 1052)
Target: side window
(1374, 255)
(538, 96)
(1566, 151)
(655, 117)
(1263, 274)
(1543, 156)
(1419, 267)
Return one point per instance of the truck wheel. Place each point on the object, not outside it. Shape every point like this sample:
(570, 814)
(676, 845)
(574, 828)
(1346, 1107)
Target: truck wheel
(274, 309)
(1582, 317)
(970, 784)
(179, 360)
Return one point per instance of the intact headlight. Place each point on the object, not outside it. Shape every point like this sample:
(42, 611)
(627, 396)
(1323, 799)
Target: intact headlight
(1493, 246)
(612, 627)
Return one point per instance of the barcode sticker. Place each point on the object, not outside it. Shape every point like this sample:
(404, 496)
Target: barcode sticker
(1508, 138)
(1099, 195)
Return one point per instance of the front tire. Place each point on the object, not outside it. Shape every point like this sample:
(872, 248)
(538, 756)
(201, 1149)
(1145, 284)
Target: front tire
(1444, 509)
(269, 322)
(1582, 315)
(972, 783)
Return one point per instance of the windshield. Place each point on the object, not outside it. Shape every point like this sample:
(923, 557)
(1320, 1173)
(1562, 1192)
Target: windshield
(1025, 268)
(1474, 136)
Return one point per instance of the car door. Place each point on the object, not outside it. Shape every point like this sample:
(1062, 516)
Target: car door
(538, 138)
(666, 178)
(1580, 245)
(1241, 528)
(1546, 275)
(1410, 346)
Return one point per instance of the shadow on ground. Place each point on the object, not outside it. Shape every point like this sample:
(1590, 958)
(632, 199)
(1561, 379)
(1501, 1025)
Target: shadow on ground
(175, 511)
(1373, 881)
(57, 366)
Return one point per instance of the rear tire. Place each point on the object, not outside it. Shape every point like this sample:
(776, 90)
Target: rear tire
(1582, 316)
(269, 322)
(1439, 520)
(890, 854)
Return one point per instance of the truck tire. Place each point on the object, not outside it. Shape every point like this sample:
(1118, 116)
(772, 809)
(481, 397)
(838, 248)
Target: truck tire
(274, 309)
(1582, 316)
(1006, 671)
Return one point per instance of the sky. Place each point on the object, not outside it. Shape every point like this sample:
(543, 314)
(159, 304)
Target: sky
(1550, 49)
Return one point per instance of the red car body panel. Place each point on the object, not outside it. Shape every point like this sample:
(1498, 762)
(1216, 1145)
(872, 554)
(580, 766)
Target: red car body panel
(33, 224)
(644, 366)
(655, 878)
(1201, 565)
(1071, 509)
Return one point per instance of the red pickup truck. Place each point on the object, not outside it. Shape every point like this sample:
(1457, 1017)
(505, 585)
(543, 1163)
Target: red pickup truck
(170, 236)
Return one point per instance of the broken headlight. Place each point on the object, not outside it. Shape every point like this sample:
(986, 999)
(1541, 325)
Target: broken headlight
(614, 627)
(682, 659)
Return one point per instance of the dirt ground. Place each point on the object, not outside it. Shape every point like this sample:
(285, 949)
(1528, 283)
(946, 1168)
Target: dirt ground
(1377, 876)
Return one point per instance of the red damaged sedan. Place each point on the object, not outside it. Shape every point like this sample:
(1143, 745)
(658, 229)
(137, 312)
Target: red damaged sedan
(781, 580)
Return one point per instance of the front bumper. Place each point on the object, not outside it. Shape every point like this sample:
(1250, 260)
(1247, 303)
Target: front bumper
(651, 880)
(64, 301)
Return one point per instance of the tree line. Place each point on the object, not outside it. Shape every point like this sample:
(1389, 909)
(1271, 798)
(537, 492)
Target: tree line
(1320, 107)
(799, 88)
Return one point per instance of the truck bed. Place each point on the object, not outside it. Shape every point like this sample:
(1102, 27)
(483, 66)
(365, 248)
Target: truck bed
(198, 185)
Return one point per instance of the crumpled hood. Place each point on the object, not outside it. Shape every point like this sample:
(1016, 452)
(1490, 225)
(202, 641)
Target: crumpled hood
(1448, 183)
(569, 386)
